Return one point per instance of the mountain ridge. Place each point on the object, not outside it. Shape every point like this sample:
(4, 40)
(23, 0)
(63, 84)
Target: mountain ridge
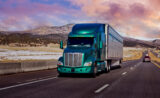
(53, 34)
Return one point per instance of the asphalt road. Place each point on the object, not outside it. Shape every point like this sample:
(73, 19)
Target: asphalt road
(135, 79)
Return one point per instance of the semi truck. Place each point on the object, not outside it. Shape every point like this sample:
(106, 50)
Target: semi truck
(91, 48)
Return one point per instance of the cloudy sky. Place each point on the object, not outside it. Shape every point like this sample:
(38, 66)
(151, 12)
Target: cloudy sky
(132, 18)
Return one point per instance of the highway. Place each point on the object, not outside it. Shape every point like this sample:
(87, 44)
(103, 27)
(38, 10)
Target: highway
(135, 79)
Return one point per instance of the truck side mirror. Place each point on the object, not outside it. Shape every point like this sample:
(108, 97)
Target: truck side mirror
(61, 44)
(101, 45)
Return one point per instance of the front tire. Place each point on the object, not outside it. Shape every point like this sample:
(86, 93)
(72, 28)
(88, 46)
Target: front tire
(61, 75)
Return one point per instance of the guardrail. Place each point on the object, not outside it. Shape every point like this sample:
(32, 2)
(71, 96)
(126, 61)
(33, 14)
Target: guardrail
(10, 68)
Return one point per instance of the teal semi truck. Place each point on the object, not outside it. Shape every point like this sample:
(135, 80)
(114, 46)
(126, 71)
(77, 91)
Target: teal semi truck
(91, 48)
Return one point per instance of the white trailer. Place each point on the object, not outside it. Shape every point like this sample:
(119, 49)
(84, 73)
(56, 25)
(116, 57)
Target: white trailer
(114, 46)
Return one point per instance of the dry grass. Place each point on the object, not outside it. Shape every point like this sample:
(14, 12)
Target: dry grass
(156, 51)
(153, 57)
(19, 61)
(50, 48)
(133, 53)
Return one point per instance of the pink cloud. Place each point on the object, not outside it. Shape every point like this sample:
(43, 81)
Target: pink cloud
(138, 18)
(155, 4)
(38, 13)
(127, 16)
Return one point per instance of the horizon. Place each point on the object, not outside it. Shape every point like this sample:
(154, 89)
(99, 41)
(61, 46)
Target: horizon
(135, 19)
(123, 35)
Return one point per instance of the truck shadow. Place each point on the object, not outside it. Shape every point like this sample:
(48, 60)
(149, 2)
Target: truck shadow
(85, 75)
(115, 67)
(76, 76)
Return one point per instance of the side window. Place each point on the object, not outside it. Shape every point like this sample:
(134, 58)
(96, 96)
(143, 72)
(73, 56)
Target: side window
(95, 42)
(102, 37)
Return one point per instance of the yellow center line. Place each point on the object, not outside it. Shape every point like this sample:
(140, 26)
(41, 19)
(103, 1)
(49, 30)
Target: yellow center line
(156, 64)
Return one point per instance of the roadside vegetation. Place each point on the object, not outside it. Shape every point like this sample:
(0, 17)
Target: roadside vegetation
(51, 52)
(49, 48)
(22, 54)
(132, 53)
(153, 57)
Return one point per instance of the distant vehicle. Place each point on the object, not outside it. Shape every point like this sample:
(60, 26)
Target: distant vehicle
(146, 58)
(91, 48)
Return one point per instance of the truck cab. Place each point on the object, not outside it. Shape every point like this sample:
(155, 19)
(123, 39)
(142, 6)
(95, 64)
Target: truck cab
(86, 50)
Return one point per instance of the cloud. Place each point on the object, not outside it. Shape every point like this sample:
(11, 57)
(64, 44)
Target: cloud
(18, 13)
(136, 18)
(155, 4)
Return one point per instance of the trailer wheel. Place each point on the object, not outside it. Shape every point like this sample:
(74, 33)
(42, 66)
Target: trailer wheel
(120, 62)
(94, 74)
(109, 68)
(105, 70)
(109, 65)
(106, 67)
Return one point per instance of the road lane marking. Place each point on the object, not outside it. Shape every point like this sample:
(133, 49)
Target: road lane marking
(138, 64)
(36, 79)
(156, 64)
(47, 77)
(124, 73)
(116, 82)
(30, 80)
(23, 84)
(131, 68)
(27, 81)
(101, 88)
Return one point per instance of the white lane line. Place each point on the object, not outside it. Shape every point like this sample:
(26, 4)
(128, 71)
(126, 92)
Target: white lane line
(23, 84)
(27, 81)
(131, 68)
(102, 88)
(30, 80)
(36, 79)
(138, 64)
(124, 73)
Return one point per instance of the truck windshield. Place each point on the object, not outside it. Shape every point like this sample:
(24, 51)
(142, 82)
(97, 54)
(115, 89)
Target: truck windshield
(80, 41)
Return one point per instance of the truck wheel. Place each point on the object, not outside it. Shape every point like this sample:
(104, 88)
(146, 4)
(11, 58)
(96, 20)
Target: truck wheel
(60, 75)
(109, 66)
(120, 62)
(94, 72)
(106, 68)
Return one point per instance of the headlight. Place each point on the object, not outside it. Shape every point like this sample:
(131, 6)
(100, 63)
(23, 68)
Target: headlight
(59, 63)
(88, 64)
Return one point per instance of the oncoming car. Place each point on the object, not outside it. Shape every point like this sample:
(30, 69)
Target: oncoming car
(146, 58)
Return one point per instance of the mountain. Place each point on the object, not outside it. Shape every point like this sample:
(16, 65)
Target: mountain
(53, 34)
(45, 30)
(156, 42)
(33, 40)
(131, 42)
(21, 39)
(51, 30)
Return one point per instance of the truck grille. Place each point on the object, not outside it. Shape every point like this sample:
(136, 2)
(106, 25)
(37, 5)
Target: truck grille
(73, 59)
